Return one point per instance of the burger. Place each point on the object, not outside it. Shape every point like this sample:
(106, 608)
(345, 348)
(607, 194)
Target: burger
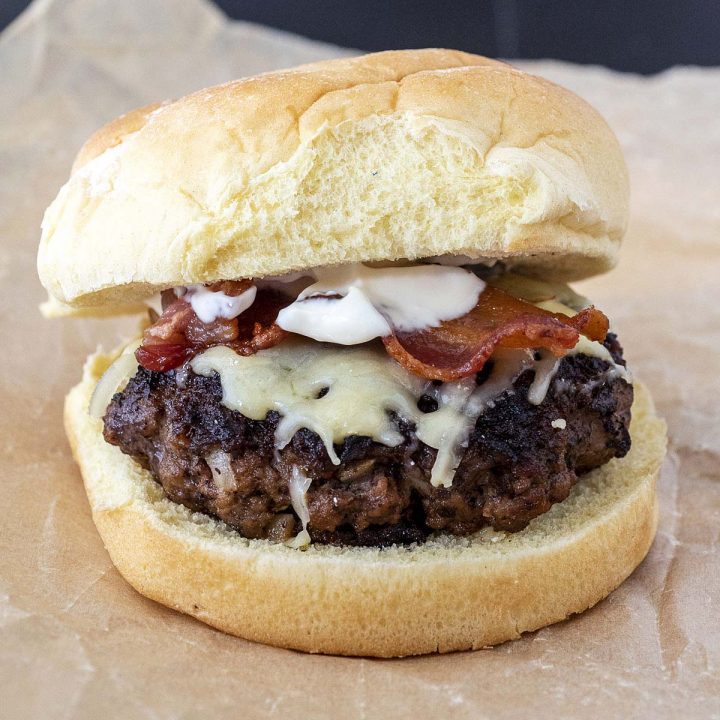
(364, 414)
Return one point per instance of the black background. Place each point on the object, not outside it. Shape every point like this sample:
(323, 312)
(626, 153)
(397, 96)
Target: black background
(643, 36)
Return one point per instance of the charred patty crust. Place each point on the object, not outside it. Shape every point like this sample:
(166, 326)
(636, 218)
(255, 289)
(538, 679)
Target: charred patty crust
(519, 460)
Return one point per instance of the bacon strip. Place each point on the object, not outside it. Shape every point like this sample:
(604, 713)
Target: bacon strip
(459, 348)
(179, 334)
(456, 349)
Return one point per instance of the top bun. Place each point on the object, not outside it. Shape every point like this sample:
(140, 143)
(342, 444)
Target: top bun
(404, 154)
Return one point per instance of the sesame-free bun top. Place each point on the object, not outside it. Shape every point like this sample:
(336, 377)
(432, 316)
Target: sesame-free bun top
(404, 154)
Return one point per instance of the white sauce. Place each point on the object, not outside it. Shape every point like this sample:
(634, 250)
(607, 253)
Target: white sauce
(373, 299)
(352, 304)
(210, 306)
(349, 320)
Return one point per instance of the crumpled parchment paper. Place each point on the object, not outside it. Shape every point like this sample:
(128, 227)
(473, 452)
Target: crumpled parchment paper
(77, 642)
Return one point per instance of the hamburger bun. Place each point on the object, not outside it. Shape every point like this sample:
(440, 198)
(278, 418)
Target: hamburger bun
(405, 154)
(450, 593)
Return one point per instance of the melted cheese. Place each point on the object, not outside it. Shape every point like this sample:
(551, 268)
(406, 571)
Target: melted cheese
(591, 348)
(448, 428)
(545, 370)
(299, 485)
(363, 386)
(336, 393)
(459, 406)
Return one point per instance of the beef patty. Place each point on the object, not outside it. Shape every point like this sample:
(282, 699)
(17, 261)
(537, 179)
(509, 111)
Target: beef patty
(517, 464)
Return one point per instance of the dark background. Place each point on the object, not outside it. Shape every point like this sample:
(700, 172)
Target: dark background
(643, 36)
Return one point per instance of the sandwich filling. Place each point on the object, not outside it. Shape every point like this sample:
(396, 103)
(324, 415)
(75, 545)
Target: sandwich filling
(368, 405)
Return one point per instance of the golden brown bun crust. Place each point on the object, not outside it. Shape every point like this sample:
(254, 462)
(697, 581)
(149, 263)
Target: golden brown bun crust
(450, 594)
(402, 154)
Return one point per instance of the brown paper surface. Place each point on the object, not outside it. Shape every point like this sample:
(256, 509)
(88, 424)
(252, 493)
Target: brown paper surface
(77, 642)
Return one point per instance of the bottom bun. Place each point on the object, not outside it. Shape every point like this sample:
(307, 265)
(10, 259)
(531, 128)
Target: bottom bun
(449, 594)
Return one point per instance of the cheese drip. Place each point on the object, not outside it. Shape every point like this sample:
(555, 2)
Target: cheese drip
(584, 346)
(337, 392)
(329, 390)
(298, 486)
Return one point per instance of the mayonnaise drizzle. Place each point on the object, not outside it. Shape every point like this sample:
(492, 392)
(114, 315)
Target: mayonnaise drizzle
(348, 320)
(209, 305)
(351, 304)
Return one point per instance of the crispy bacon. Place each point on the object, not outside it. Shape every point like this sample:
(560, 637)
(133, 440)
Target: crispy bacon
(257, 329)
(179, 334)
(458, 348)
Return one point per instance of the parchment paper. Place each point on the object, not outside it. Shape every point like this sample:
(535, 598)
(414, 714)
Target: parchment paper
(77, 642)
